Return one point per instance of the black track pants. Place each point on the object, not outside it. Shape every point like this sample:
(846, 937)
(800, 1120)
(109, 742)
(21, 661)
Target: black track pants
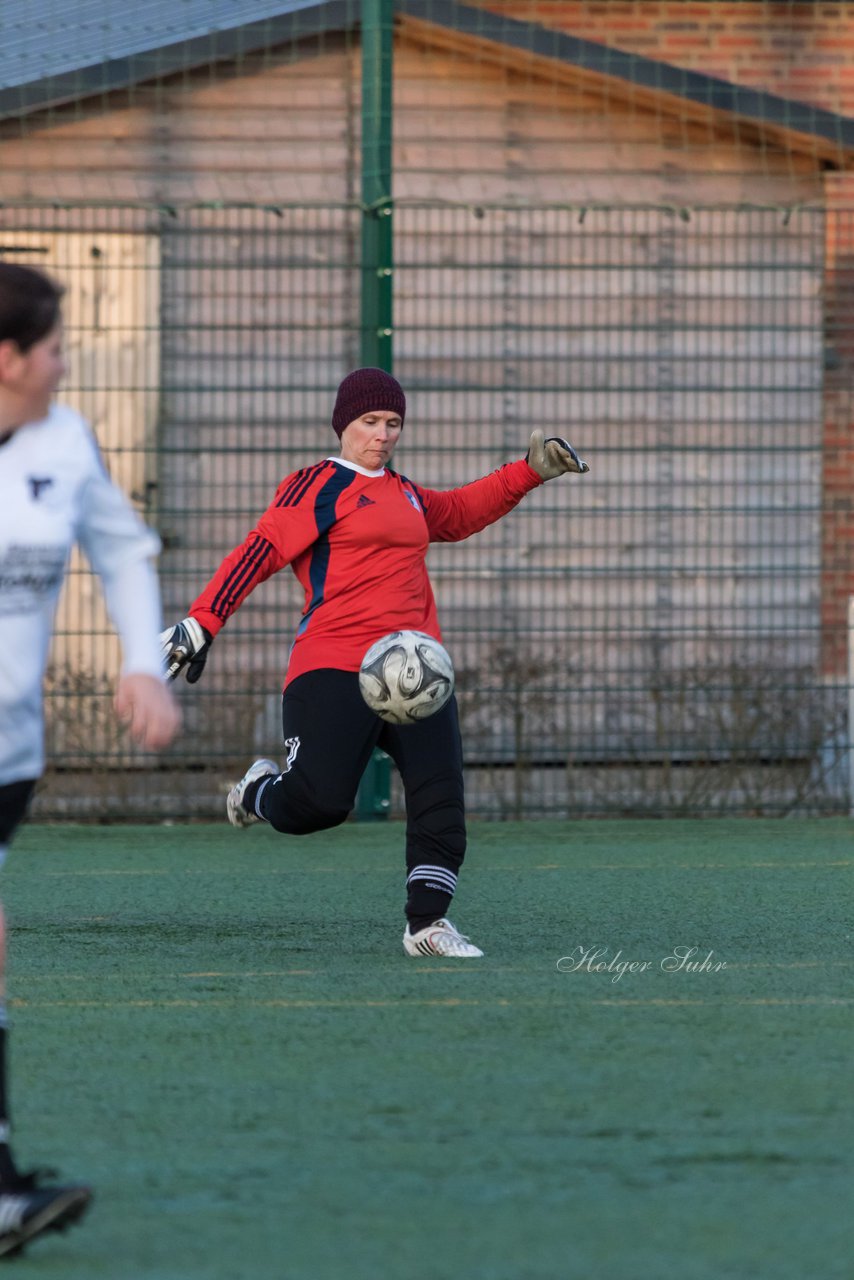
(329, 735)
(14, 802)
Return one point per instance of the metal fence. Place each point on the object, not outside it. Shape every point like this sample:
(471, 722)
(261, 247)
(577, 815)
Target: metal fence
(665, 636)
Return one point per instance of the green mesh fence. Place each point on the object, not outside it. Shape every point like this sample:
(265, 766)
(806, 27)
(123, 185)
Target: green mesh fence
(658, 636)
(628, 223)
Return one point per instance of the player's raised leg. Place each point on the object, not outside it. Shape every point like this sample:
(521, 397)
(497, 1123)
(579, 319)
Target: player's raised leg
(329, 734)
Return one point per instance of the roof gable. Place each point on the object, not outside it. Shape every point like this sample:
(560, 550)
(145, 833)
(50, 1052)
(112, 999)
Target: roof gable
(106, 45)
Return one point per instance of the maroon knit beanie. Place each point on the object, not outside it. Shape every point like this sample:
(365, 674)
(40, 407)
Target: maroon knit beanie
(366, 391)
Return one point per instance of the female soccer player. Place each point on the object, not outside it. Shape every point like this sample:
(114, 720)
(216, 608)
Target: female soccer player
(54, 492)
(356, 535)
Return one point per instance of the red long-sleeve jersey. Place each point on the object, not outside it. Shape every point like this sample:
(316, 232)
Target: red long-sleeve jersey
(357, 542)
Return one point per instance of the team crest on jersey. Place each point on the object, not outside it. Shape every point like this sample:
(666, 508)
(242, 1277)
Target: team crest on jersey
(413, 501)
(38, 484)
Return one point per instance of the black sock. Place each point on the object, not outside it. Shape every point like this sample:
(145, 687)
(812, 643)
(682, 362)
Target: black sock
(250, 795)
(421, 922)
(425, 903)
(429, 893)
(8, 1171)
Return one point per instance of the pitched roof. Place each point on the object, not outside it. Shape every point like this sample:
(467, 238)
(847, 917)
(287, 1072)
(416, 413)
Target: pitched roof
(58, 51)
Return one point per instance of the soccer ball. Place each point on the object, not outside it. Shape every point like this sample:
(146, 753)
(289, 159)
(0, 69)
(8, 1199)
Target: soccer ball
(406, 676)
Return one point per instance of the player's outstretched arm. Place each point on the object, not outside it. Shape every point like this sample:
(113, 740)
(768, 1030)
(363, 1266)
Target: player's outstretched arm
(185, 648)
(553, 457)
(454, 514)
(149, 709)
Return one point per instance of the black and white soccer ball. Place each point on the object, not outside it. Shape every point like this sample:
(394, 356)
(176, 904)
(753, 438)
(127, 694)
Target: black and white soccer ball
(406, 676)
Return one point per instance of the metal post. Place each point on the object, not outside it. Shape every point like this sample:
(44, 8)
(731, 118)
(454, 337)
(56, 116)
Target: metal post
(376, 311)
(375, 347)
(851, 706)
(373, 800)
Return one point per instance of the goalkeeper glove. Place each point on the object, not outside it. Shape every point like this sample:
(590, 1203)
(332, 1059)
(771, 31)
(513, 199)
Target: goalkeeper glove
(185, 645)
(552, 457)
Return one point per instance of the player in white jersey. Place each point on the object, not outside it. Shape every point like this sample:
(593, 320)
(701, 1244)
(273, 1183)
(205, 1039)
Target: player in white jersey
(54, 492)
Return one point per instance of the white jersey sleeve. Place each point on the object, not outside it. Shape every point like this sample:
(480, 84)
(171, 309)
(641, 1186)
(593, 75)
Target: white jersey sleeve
(120, 548)
(54, 492)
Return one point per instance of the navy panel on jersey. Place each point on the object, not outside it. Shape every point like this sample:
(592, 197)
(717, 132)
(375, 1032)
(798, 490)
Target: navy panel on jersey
(324, 513)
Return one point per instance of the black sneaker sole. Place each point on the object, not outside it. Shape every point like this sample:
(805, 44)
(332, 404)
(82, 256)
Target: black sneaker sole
(66, 1208)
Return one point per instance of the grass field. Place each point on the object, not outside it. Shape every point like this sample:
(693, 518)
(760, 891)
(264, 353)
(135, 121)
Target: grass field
(221, 1032)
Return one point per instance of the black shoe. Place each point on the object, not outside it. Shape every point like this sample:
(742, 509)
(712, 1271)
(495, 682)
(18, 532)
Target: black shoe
(26, 1210)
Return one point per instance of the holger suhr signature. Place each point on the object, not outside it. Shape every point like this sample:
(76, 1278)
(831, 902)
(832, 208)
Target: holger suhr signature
(678, 960)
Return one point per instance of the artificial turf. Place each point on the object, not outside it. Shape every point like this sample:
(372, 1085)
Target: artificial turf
(221, 1032)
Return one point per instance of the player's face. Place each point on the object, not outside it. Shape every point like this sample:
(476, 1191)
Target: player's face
(369, 441)
(33, 376)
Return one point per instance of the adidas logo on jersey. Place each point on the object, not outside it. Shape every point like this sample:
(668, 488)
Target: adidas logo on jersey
(365, 501)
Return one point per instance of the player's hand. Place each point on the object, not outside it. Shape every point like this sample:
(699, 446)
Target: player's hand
(553, 457)
(149, 709)
(185, 646)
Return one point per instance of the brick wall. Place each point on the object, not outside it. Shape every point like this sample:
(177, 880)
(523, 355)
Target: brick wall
(837, 578)
(803, 51)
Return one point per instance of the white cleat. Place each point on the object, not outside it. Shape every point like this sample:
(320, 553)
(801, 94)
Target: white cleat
(238, 814)
(439, 939)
